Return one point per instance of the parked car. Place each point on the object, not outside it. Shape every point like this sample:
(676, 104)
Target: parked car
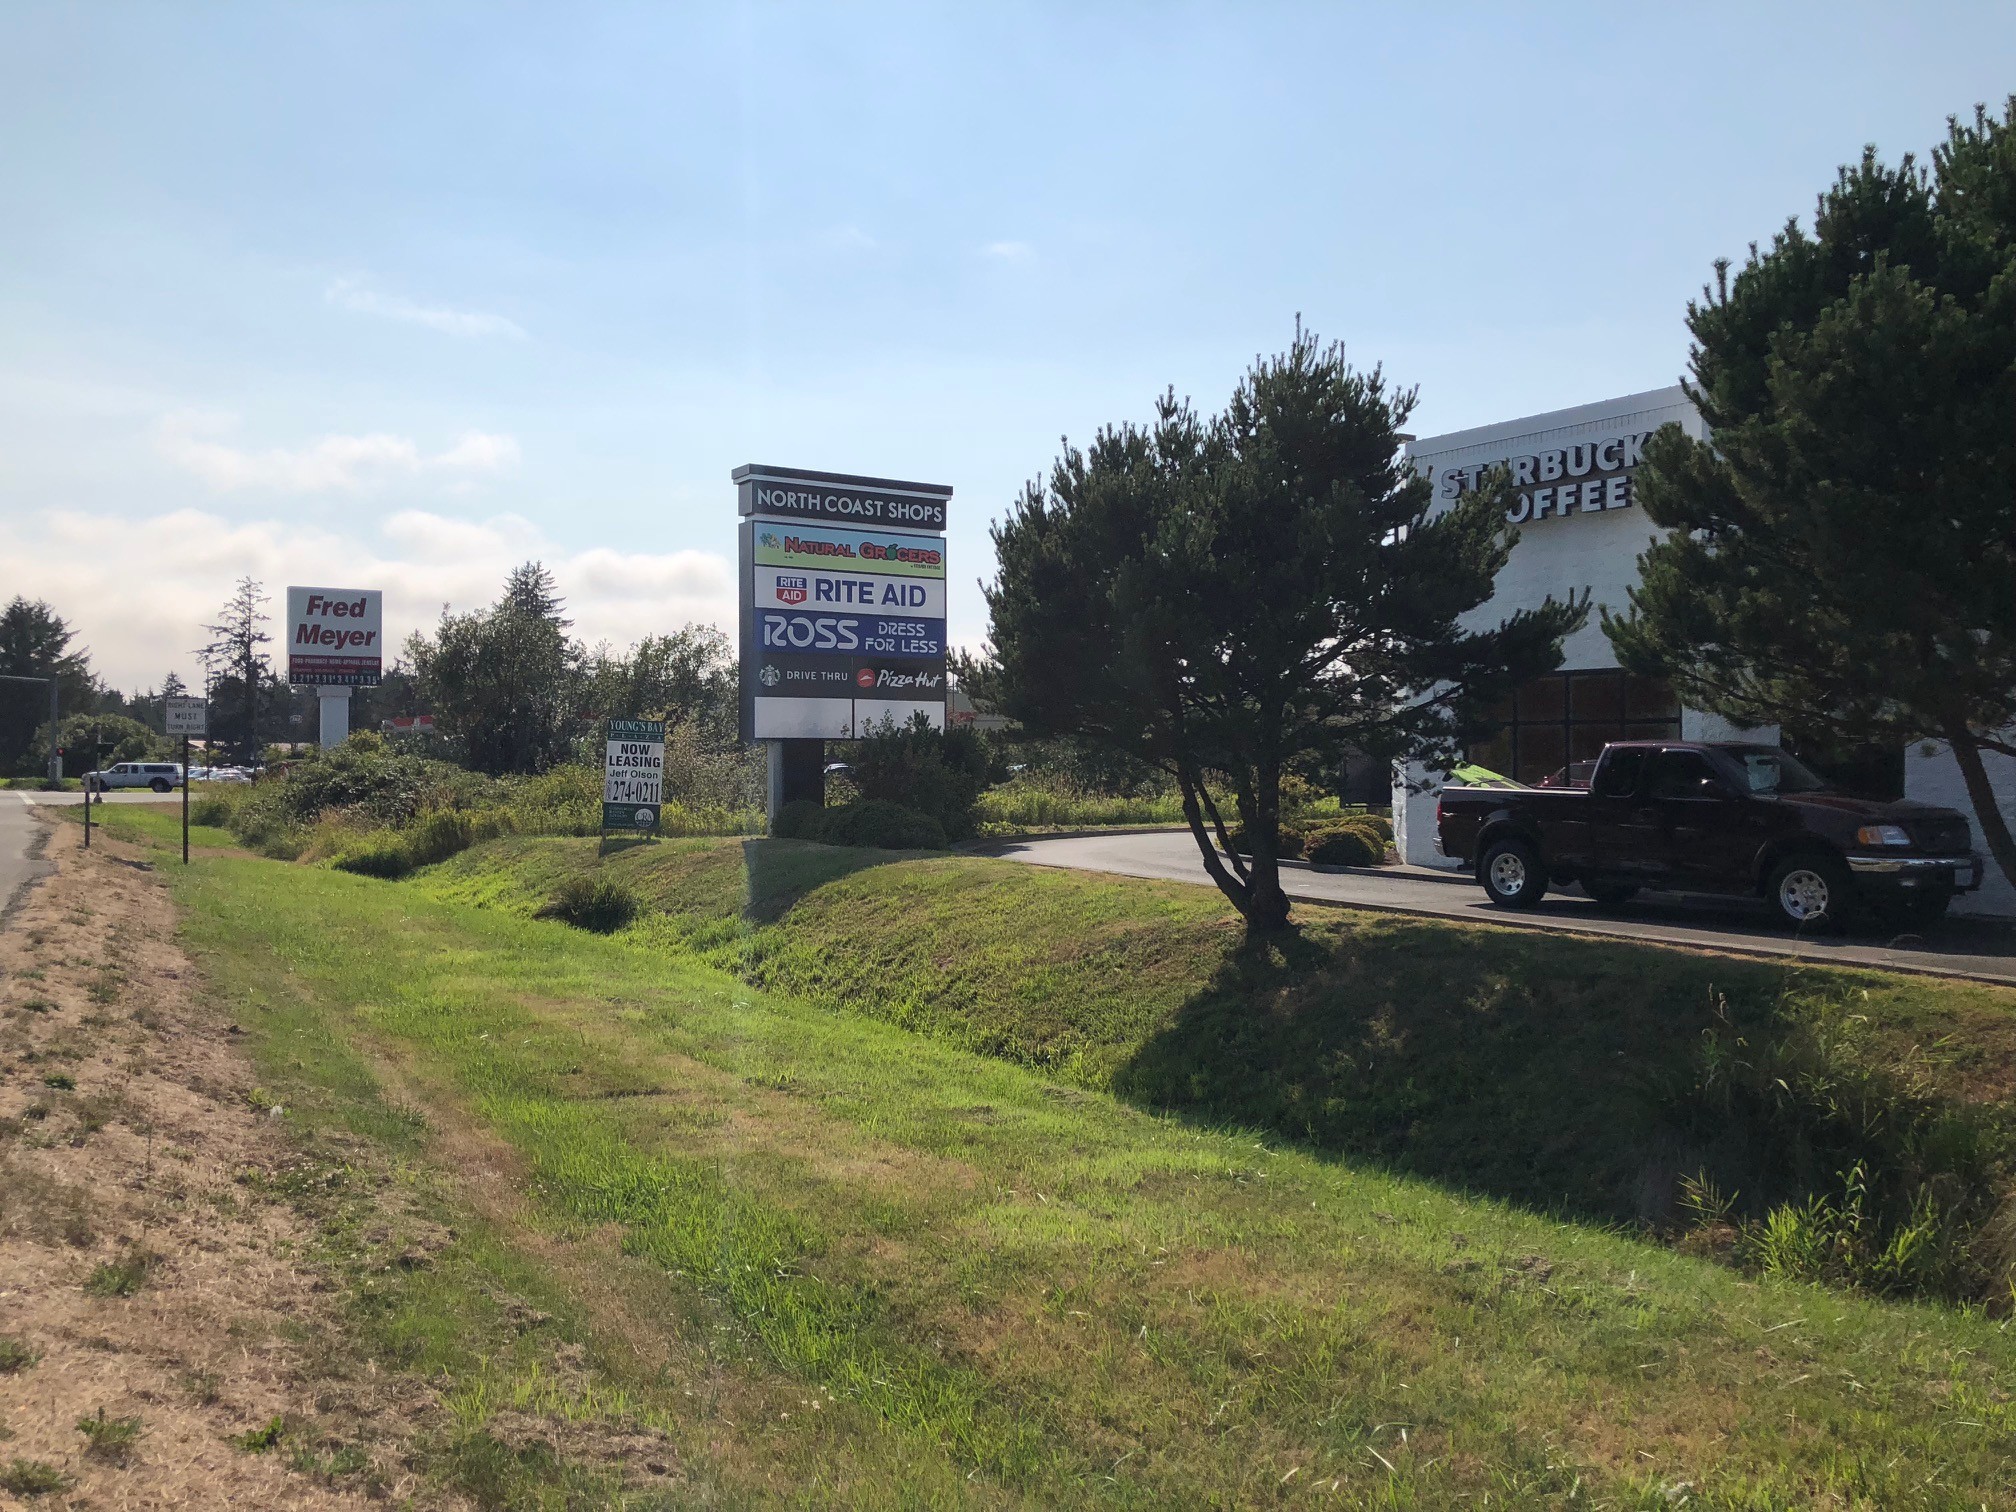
(1734, 819)
(161, 776)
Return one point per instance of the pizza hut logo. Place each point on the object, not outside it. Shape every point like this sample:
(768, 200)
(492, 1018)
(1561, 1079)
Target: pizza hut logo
(791, 590)
(769, 676)
(865, 678)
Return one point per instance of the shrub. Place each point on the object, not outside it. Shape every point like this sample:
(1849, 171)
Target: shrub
(383, 854)
(211, 809)
(872, 822)
(15, 1355)
(938, 774)
(592, 903)
(800, 819)
(1292, 841)
(1378, 824)
(1346, 845)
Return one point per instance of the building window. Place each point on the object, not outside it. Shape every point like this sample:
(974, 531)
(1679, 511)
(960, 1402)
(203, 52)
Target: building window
(1568, 717)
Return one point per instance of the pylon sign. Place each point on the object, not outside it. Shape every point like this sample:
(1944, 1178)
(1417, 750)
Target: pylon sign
(843, 602)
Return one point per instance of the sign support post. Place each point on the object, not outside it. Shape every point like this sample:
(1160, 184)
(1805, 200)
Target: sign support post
(185, 717)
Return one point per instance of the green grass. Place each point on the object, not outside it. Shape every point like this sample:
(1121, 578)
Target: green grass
(1564, 1074)
(1002, 1287)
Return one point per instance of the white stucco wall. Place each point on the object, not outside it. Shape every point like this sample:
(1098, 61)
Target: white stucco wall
(1931, 775)
(1561, 554)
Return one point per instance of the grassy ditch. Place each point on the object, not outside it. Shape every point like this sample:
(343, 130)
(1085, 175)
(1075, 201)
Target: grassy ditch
(838, 1263)
(1847, 1126)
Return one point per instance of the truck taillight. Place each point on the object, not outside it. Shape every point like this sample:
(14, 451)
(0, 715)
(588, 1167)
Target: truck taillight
(1438, 811)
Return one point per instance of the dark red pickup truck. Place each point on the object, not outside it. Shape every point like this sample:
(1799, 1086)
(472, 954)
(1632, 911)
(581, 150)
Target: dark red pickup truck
(1695, 817)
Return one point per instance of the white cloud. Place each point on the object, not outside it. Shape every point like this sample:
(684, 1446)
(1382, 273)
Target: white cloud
(189, 439)
(138, 591)
(1008, 251)
(355, 294)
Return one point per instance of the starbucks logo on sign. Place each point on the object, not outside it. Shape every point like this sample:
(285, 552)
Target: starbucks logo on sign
(769, 676)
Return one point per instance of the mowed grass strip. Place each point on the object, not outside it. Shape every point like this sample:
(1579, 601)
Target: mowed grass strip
(1561, 1073)
(1016, 1287)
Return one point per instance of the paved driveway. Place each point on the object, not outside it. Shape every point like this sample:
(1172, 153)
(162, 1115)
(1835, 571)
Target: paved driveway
(1951, 948)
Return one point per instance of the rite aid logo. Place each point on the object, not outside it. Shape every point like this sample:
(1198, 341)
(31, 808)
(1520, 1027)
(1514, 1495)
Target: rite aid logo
(792, 590)
(769, 676)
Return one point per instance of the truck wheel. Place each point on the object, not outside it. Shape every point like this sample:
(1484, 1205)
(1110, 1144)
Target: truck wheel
(1610, 894)
(162, 785)
(1511, 874)
(1809, 892)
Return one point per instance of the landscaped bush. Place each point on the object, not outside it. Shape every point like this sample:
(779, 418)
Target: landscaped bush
(914, 767)
(1345, 845)
(592, 903)
(799, 819)
(883, 825)
(1289, 849)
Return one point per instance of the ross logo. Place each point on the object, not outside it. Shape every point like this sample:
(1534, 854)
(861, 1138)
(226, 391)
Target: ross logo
(769, 676)
(792, 590)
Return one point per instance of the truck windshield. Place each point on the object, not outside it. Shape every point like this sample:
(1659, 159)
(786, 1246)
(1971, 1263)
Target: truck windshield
(1766, 769)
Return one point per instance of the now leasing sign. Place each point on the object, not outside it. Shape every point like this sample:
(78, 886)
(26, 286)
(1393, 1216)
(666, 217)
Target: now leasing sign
(335, 637)
(633, 774)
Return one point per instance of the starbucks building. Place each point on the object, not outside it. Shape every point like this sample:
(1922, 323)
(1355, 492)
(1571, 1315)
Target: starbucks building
(1580, 527)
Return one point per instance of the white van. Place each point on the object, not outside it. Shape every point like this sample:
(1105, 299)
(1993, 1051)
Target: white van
(162, 776)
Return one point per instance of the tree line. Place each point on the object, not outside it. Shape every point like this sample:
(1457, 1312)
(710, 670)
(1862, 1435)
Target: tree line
(510, 688)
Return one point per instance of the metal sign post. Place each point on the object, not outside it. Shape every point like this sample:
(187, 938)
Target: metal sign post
(186, 717)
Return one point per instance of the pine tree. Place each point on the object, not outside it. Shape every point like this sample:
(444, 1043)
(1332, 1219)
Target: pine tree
(238, 674)
(1843, 552)
(1243, 598)
(35, 642)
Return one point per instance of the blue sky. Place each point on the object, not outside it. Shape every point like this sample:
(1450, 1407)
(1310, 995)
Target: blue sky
(402, 294)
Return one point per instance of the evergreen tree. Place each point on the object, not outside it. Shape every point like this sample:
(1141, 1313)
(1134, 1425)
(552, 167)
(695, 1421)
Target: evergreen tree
(1237, 600)
(1842, 556)
(35, 642)
(239, 675)
(506, 683)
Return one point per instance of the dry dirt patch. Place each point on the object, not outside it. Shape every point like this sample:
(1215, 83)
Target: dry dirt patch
(140, 1273)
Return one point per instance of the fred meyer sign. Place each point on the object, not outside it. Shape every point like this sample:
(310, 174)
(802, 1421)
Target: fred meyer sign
(335, 637)
(633, 774)
(843, 603)
(1584, 477)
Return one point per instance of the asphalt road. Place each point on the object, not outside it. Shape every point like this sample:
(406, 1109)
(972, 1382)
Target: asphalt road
(1953, 947)
(20, 841)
